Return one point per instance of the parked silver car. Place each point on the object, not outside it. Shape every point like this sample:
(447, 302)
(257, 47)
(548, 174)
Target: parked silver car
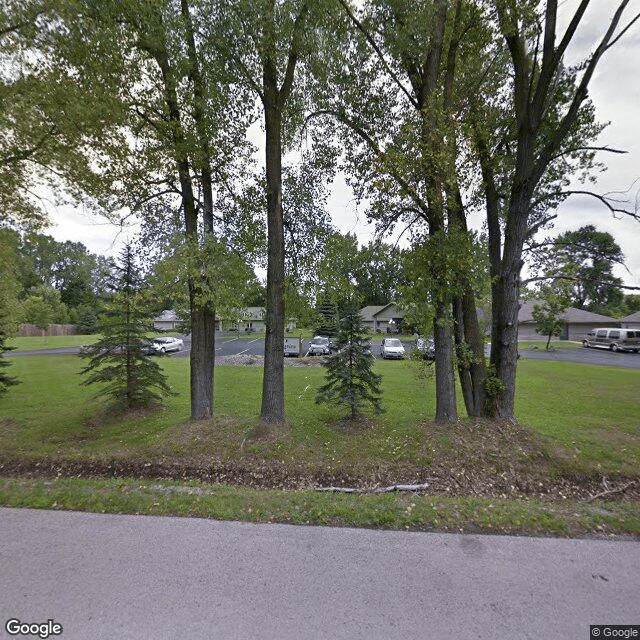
(392, 348)
(166, 344)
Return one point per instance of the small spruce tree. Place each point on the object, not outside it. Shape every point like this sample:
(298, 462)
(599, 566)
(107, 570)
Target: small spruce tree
(350, 378)
(119, 361)
(6, 380)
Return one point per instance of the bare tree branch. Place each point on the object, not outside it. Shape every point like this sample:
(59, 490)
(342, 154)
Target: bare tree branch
(577, 245)
(138, 203)
(536, 227)
(573, 149)
(581, 91)
(607, 202)
(623, 31)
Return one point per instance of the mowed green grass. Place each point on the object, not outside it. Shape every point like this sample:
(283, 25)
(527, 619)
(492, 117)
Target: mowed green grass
(52, 415)
(588, 415)
(392, 510)
(38, 343)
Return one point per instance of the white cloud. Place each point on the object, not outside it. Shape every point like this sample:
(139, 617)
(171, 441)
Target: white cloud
(615, 91)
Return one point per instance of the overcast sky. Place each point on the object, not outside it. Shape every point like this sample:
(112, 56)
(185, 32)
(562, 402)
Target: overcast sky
(615, 90)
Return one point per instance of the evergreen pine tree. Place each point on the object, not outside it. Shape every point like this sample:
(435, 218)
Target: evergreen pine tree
(6, 380)
(119, 360)
(350, 377)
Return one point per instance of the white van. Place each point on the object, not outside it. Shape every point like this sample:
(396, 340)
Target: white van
(614, 339)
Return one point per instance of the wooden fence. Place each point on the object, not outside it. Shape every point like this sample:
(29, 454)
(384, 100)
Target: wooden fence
(30, 330)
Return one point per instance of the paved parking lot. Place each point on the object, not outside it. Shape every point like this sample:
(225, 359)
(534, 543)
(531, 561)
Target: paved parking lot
(586, 356)
(254, 345)
(247, 345)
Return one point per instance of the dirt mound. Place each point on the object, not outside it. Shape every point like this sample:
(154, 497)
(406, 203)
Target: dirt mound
(269, 474)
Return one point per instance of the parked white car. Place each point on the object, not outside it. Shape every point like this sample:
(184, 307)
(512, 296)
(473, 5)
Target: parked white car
(167, 344)
(319, 346)
(392, 348)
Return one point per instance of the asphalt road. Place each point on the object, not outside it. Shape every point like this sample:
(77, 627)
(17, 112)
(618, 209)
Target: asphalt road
(586, 356)
(137, 577)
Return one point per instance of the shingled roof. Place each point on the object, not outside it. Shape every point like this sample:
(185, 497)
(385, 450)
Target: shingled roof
(634, 317)
(571, 315)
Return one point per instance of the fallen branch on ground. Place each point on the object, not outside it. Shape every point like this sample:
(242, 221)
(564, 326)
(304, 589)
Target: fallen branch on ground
(612, 491)
(395, 487)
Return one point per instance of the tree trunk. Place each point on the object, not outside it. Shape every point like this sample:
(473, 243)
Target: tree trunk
(202, 359)
(506, 304)
(473, 338)
(446, 410)
(504, 346)
(274, 100)
(471, 363)
(464, 373)
(273, 381)
(202, 320)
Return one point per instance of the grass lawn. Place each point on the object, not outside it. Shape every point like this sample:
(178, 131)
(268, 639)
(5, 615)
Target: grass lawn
(542, 344)
(579, 435)
(37, 343)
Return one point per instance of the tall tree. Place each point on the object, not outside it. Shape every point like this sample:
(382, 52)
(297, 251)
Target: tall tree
(172, 128)
(45, 117)
(66, 266)
(379, 273)
(270, 40)
(401, 107)
(307, 231)
(585, 258)
(549, 103)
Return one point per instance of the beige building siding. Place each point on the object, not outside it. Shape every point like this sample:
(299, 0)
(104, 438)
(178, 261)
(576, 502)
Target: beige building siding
(577, 322)
(631, 322)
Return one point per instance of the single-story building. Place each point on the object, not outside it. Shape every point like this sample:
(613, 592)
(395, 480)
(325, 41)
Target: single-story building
(577, 322)
(631, 322)
(168, 320)
(386, 318)
(252, 320)
(367, 315)
(249, 319)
